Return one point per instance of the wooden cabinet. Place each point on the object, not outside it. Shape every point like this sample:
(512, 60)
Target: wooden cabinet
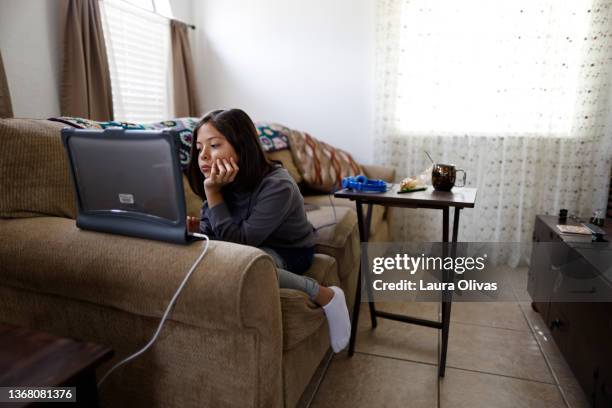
(602, 340)
(565, 274)
(546, 256)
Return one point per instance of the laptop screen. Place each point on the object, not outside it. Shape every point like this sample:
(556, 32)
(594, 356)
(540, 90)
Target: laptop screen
(127, 181)
(129, 175)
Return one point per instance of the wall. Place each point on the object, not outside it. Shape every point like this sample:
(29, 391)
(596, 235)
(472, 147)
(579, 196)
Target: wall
(29, 41)
(183, 10)
(30, 45)
(305, 64)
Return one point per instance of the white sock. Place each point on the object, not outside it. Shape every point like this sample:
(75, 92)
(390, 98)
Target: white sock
(338, 320)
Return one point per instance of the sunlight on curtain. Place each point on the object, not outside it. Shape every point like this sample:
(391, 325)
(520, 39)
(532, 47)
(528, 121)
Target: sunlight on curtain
(489, 66)
(516, 93)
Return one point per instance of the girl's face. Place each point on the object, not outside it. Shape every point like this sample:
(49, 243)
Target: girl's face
(212, 146)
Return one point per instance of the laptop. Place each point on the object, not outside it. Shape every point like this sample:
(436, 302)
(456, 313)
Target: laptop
(128, 182)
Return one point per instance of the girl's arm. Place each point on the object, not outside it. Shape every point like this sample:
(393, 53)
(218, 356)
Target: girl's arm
(222, 173)
(271, 207)
(204, 225)
(193, 224)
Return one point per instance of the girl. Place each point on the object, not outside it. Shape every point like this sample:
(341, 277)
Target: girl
(251, 201)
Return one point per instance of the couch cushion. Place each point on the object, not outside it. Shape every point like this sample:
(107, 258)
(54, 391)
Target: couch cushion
(285, 157)
(301, 316)
(324, 270)
(34, 171)
(378, 211)
(330, 232)
(340, 241)
(373, 171)
(193, 202)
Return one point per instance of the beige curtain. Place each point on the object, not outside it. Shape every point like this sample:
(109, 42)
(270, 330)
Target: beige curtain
(185, 99)
(85, 84)
(6, 109)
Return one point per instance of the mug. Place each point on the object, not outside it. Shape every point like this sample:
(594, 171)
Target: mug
(443, 176)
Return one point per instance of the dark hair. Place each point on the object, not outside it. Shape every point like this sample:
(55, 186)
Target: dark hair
(240, 132)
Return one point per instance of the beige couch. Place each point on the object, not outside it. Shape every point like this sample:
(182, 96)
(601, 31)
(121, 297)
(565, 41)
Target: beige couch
(233, 338)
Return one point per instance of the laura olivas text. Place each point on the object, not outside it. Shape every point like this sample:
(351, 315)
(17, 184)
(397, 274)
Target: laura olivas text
(407, 285)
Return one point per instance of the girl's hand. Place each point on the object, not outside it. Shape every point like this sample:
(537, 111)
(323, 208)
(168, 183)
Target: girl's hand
(222, 172)
(193, 224)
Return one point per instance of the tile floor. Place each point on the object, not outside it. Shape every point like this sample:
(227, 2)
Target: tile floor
(499, 355)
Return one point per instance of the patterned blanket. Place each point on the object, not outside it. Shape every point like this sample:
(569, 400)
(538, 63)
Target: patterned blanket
(273, 137)
(183, 126)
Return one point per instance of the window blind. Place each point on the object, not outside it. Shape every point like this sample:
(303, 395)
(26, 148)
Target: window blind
(138, 45)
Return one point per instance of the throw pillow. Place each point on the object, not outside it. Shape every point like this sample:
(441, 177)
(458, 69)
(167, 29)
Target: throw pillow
(322, 166)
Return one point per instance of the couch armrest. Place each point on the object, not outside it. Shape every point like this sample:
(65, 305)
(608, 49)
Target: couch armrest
(379, 172)
(234, 286)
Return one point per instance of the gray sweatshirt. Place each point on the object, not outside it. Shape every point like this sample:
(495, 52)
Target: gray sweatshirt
(273, 215)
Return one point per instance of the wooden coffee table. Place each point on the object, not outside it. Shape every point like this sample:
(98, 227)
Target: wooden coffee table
(459, 198)
(29, 358)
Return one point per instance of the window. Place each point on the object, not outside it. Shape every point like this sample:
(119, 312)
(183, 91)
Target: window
(482, 67)
(138, 46)
(157, 6)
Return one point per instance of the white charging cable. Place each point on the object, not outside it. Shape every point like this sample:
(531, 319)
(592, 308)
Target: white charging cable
(163, 319)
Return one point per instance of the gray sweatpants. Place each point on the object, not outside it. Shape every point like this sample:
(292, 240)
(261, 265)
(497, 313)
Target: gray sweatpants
(290, 280)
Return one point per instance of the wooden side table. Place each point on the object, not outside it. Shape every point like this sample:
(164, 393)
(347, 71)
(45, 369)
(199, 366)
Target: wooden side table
(459, 198)
(29, 358)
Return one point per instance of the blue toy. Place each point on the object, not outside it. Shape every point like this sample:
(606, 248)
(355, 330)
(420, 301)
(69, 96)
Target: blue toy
(363, 184)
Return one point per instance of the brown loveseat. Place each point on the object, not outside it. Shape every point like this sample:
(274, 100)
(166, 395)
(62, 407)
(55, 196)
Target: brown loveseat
(233, 338)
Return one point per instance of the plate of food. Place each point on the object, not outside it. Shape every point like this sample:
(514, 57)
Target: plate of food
(411, 184)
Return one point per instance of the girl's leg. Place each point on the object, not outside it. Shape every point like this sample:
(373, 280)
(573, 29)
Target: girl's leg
(331, 299)
(290, 280)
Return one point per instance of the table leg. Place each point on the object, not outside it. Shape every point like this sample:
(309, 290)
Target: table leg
(364, 230)
(355, 322)
(445, 224)
(448, 296)
(446, 312)
(368, 223)
(456, 224)
(371, 304)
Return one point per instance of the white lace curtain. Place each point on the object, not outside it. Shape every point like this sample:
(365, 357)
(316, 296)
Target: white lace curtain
(516, 93)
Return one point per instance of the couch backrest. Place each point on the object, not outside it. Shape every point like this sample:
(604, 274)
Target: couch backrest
(285, 157)
(34, 172)
(35, 178)
(35, 175)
